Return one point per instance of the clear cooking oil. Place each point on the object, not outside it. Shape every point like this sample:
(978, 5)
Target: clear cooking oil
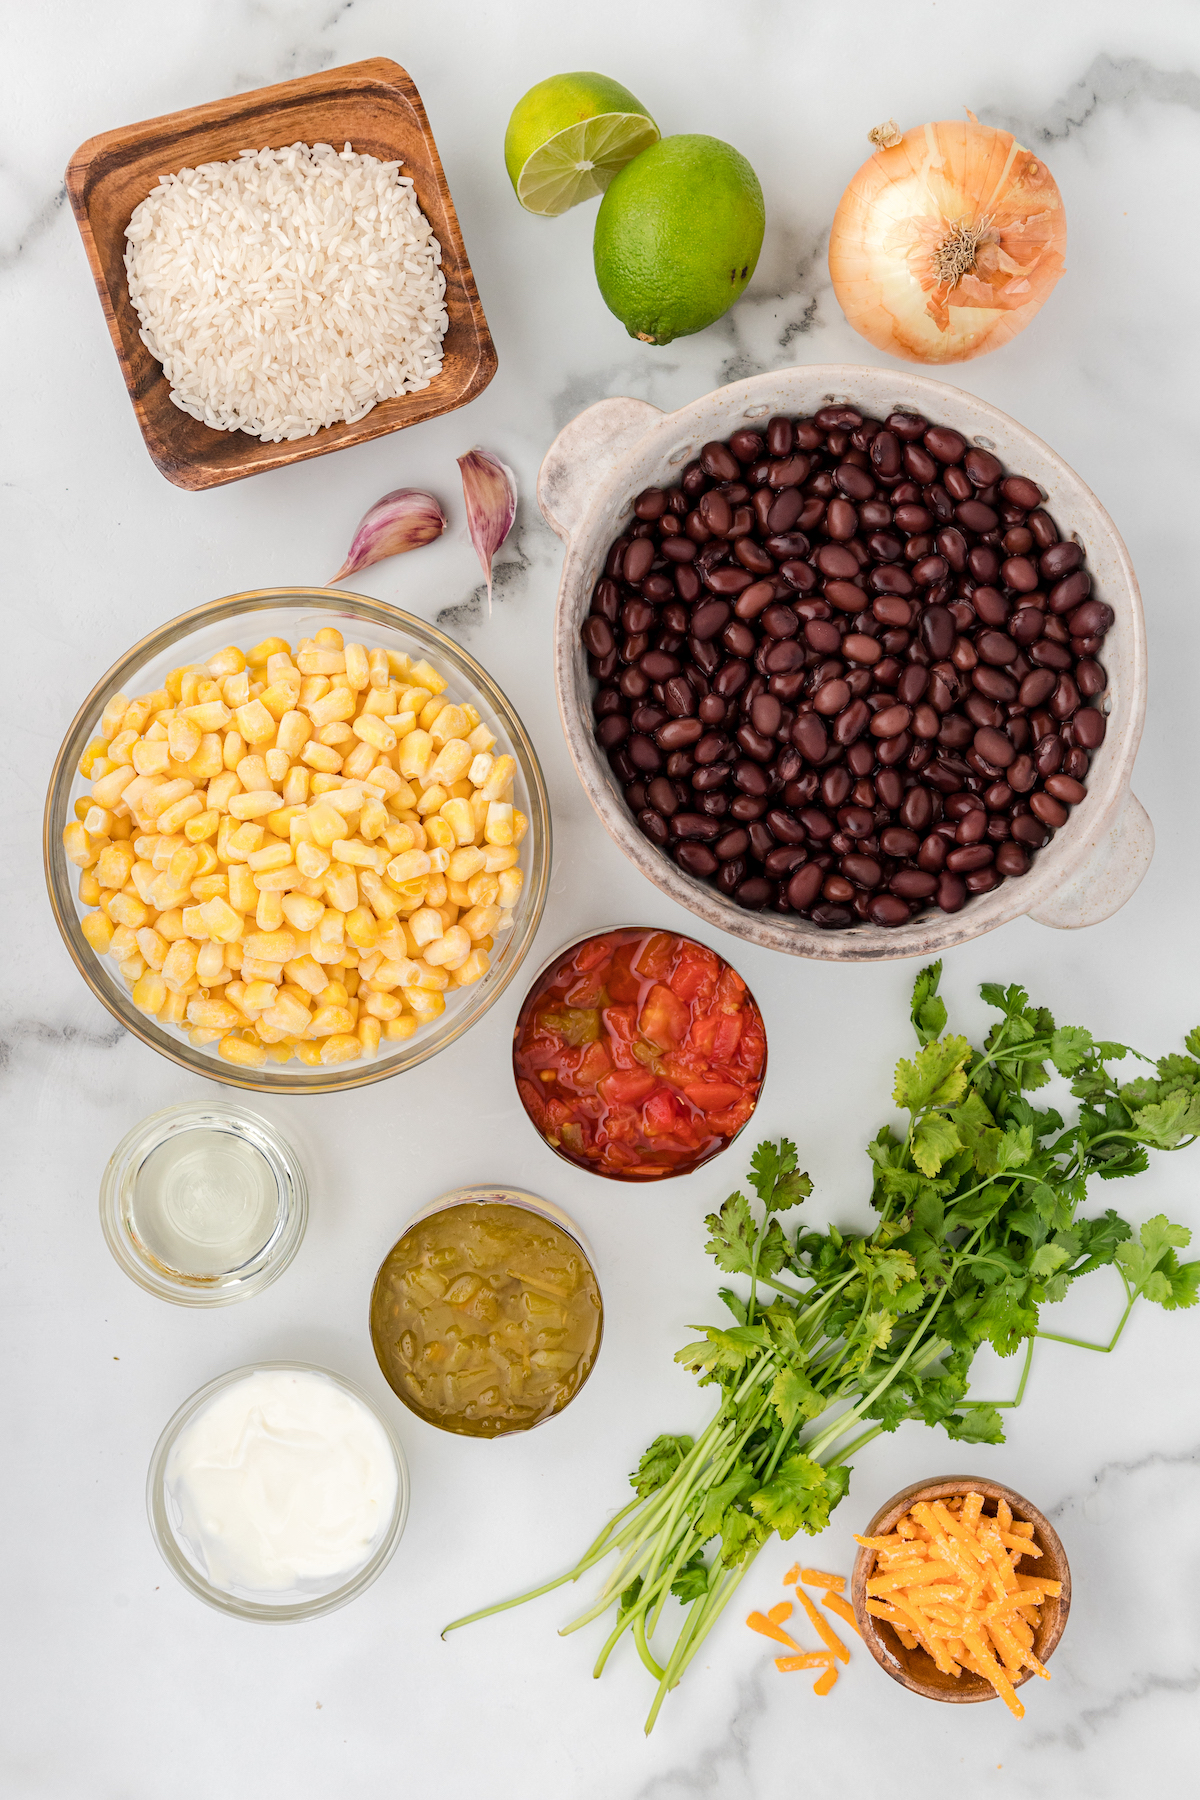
(203, 1204)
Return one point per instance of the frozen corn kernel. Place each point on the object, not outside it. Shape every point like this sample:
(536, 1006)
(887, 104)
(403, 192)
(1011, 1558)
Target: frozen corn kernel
(373, 820)
(288, 1014)
(450, 950)
(268, 914)
(261, 654)
(245, 1053)
(127, 909)
(341, 1048)
(383, 1006)
(213, 1015)
(359, 855)
(511, 882)
(362, 927)
(500, 778)
(179, 965)
(424, 1003)
(149, 993)
(395, 1031)
(451, 762)
(472, 969)
(480, 922)
(498, 827)
(98, 930)
(210, 964)
(152, 757)
(302, 911)
(425, 925)
(414, 755)
(328, 1021)
(498, 857)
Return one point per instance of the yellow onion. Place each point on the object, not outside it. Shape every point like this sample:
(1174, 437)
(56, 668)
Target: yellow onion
(947, 241)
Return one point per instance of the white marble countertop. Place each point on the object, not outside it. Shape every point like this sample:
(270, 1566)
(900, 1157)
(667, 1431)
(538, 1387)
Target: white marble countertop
(116, 1683)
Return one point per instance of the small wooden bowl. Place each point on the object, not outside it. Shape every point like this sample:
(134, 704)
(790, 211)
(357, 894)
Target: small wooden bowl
(916, 1669)
(372, 105)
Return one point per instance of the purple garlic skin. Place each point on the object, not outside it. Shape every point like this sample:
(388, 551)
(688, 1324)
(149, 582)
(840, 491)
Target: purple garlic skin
(490, 493)
(402, 520)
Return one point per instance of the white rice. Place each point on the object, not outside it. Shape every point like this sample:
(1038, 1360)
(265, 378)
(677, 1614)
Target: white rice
(287, 290)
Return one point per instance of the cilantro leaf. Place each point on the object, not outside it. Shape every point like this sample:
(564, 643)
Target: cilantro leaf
(774, 1178)
(936, 1076)
(718, 1349)
(658, 1464)
(1165, 1123)
(934, 1141)
(980, 1424)
(732, 1236)
(630, 1596)
(1015, 1149)
(721, 1498)
(741, 1534)
(736, 1305)
(800, 1495)
(794, 1397)
(1192, 1041)
(977, 1132)
(691, 1583)
(928, 1010)
(1068, 1047)
(1178, 1071)
(1048, 1260)
(1181, 1280)
(774, 1251)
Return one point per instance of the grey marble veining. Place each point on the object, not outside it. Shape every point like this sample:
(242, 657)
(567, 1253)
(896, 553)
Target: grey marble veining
(116, 1684)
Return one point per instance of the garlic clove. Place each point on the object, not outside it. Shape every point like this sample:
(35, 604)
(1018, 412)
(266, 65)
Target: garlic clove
(402, 520)
(490, 492)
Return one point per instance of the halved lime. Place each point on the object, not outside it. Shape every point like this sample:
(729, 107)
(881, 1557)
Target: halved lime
(569, 136)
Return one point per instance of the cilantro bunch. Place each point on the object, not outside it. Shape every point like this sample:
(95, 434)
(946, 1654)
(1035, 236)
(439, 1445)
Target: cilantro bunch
(842, 1336)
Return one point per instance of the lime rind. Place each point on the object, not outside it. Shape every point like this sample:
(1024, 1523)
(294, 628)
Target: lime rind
(579, 162)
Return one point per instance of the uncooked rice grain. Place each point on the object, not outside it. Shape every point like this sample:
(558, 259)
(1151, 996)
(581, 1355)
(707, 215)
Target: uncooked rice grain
(287, 290)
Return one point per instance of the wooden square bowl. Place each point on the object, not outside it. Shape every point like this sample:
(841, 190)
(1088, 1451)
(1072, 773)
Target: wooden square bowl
(916, 1669)
(376, 109)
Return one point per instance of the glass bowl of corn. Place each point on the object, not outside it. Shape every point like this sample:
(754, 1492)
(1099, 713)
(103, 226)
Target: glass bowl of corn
(297, 840)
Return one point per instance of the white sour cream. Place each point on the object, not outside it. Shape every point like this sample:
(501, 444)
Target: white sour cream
(283, 1481)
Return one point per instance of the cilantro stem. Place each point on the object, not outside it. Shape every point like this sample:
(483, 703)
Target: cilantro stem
(1056, 1337)
(639, 1638)
(1020, 1394)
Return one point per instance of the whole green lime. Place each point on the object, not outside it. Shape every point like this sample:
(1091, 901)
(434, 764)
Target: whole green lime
(569, 135)
(677, 236)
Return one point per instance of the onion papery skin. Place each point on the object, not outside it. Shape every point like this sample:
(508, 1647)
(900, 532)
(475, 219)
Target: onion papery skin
(900, 208)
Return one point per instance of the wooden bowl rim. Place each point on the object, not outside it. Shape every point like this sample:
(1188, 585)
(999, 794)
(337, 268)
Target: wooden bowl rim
(192, 469)
(940, 1487)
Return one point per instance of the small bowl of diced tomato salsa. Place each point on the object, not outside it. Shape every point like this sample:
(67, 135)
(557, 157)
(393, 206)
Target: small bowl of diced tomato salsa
(639, 1054)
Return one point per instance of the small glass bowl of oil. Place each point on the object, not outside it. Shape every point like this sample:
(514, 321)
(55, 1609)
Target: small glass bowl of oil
(203, 1205)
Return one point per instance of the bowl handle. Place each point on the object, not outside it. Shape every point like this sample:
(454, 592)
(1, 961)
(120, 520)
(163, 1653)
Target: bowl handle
(583, 453)
(1106, 879)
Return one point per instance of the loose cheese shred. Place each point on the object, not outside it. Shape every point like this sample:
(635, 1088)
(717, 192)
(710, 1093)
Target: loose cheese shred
(770, 1625)
(947, 1581)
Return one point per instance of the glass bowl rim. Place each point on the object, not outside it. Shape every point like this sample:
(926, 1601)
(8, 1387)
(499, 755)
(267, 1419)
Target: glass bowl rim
(416, 1050)
(252, 1611)
(203, 1294)
(480, 1193)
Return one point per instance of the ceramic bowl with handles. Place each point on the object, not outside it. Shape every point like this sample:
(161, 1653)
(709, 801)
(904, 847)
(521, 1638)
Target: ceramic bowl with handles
(589, 480)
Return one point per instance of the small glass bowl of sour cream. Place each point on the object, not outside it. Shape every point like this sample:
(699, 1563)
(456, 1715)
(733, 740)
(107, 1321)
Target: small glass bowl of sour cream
(278, 1492)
